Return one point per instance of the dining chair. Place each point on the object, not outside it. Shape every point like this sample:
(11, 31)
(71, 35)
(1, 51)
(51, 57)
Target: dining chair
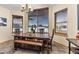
(17, 31)
(49, 46)
(41, 30)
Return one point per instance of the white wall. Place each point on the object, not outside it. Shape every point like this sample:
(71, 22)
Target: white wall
(5, 31)
(72, 21)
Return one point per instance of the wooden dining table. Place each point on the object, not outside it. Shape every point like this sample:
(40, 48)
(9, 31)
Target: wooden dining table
(38, 36)
(73, 41)
(43, 36)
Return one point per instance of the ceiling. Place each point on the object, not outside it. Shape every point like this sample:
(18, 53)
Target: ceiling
(17, 7)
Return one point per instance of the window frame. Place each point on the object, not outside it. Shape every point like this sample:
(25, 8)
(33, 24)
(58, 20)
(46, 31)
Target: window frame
(37, 18)
(17, 16)
(60, 33)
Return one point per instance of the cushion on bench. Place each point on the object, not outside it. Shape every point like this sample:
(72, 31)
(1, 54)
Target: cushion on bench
(29, 42)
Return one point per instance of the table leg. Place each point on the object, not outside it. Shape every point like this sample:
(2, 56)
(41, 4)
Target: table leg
(69, 47)
(47, 48)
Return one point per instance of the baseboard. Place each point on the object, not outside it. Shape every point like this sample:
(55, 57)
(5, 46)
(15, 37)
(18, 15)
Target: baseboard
(5, 41)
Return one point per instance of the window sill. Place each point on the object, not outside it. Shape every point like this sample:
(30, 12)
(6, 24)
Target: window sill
(61, 34)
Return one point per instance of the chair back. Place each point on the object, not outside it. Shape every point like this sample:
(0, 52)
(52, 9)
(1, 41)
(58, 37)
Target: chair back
(41, 30)
(17, 31)
(52, 35)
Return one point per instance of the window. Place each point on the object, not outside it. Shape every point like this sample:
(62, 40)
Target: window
(39, 18)
(17, 23)
(61, 21)
(78, 17)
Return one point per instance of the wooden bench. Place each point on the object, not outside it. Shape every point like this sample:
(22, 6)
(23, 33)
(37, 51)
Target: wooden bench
(28, 42)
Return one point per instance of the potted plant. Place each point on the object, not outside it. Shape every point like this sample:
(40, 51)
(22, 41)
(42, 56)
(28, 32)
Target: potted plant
(33, 28)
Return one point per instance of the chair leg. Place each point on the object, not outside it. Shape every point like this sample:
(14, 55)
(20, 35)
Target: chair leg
(51, 48)
(48, 51)
(42, 49)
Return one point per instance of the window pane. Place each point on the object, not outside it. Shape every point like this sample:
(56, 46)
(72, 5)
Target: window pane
(39, 18)
(29, 29)
(43, 20)
(34, 13)
(46, 30)
(61, 21)
(78, 16)
(32, 21)
(17, 24)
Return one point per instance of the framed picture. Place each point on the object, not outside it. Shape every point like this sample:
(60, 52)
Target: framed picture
(3, 21)
(61, 21)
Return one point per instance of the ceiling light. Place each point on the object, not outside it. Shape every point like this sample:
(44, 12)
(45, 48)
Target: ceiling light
(26, 8)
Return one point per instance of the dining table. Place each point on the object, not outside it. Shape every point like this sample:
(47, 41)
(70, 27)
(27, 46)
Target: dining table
(73, 41)
(39, 36)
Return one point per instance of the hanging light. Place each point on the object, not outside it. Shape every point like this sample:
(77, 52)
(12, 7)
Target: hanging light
(26, 8)
(30, 7)
(23, 7)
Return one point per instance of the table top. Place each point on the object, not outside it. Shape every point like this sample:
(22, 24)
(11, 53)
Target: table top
(74, 41)
(34, 35)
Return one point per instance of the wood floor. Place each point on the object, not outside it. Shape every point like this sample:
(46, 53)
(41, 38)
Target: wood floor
(57, 49)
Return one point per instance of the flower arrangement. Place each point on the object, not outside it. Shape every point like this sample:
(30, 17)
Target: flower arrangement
(77, 36)
(33, 28)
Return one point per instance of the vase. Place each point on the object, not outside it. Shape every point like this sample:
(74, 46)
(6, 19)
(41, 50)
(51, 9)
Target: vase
(77, 36)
